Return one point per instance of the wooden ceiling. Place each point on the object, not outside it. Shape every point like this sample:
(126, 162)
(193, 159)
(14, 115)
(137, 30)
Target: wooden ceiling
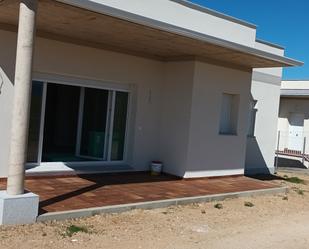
(71, 24)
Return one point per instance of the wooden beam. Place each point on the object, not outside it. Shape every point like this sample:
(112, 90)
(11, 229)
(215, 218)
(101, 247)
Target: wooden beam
(8, 2)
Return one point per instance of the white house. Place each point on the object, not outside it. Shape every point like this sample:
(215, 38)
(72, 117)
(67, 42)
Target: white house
(112, 85)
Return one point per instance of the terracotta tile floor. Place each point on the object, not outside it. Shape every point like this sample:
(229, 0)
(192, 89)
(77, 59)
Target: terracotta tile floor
(85, 191)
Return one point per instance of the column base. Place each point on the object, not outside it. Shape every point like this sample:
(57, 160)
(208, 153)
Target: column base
(18, 209)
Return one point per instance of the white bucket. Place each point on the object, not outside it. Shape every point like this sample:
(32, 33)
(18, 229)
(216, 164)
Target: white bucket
(156, 167)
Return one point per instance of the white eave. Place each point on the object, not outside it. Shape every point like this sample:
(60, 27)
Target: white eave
(296, 93)
(138, 19)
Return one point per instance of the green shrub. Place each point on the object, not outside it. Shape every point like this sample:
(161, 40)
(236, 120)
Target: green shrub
(71, 230)
(300, 192)
(294, 179)
(248, 204)
(218, 206)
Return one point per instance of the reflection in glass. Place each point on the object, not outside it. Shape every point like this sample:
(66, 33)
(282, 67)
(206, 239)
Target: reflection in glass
(34, 122)
(94, 123)
(119, 128)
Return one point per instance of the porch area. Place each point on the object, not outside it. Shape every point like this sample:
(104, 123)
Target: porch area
(105, 98)
(73, 192)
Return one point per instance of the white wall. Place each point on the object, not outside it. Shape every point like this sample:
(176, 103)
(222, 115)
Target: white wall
(176, 101)
(176, 105)
(212, 154)
(190, 143)
(265, 89)
(144, 76)
(261, 147)
(7, 65)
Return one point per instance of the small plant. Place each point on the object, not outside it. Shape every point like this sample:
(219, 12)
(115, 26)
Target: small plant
(71, 230)
(203, 211)
(218, 206)
(285, 198)
(294, 179)
(300, 192)
(248, 204)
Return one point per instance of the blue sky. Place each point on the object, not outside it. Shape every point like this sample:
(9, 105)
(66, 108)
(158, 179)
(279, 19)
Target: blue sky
(283, 22)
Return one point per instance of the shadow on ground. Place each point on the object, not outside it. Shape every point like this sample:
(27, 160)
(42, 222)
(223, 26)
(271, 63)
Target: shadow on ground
(266, 177)
(290, 163)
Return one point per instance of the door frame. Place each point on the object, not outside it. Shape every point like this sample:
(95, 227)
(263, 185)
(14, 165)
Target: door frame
(112, 87)
(301, 141)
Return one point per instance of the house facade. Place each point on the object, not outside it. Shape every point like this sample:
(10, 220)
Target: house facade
(113, 85)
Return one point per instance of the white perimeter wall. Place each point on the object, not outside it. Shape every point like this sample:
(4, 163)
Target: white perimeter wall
(175, 112)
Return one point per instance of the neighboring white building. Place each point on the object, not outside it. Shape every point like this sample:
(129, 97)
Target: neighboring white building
(294, 116)
(117, 84)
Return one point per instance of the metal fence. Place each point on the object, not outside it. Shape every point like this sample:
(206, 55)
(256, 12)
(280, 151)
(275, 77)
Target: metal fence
(293, 145)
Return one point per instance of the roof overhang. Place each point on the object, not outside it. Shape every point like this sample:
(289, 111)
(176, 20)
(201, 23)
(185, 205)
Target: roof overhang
(294, 93)
(89, 23)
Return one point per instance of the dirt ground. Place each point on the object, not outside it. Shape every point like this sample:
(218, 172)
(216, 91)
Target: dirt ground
(280, 221)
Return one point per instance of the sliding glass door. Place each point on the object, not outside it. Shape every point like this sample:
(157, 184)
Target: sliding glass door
(93, 123)
(76, 124)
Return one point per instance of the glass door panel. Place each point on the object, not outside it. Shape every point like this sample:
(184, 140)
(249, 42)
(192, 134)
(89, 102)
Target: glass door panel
(119, 126)
(60, 126)
(94, 123)
(35, 121)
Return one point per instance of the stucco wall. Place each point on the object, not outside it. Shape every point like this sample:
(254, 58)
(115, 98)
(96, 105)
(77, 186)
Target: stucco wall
(261, 147)
(190, 143)
(209, 153)
(144, 76)
(175, 111)
(176, 100)
(7, 65)
(265, 90)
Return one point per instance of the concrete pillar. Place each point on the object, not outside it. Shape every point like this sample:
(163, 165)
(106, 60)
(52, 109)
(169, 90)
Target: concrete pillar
(22, 94)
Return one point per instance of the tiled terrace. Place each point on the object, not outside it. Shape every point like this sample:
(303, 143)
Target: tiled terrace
(98, 190)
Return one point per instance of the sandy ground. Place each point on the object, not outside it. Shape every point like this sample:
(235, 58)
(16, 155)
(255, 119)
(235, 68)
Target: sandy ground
(273, 222)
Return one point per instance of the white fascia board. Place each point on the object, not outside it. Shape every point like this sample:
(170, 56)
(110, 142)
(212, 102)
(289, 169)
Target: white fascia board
(94, 6)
